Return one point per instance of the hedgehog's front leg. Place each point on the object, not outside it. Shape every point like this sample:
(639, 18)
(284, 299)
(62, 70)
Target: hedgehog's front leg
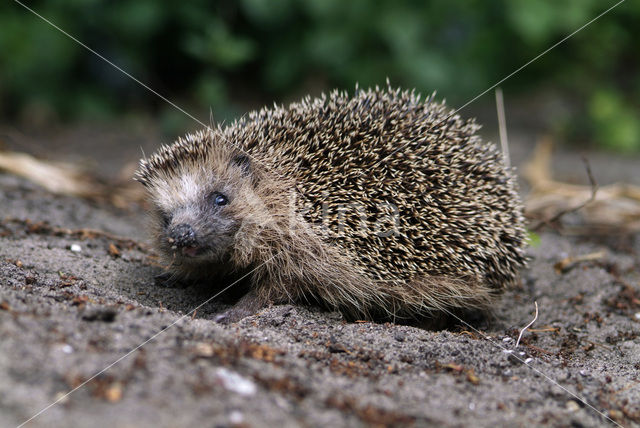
(171, 280)
(249, 304)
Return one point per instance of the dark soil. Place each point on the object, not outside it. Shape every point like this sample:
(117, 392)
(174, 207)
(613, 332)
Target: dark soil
(96, 320)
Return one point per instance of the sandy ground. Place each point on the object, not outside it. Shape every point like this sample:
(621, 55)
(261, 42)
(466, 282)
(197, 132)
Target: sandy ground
(75, 303)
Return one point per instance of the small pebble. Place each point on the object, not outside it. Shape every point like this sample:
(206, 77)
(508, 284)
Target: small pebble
(637, 315)
(236, 383)
(236, 417)
(76, 248)
(399, 337)
(113, 393)
(572, 406)
(67, 349)
(61, 397)
(616, 415)
(204, 350)
(528, 360)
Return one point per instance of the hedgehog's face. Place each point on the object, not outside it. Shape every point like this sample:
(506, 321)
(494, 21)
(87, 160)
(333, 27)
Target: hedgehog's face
(201, 229)
(199, 211)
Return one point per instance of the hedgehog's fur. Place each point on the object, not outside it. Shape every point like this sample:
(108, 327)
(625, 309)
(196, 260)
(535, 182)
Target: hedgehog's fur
(459, 232)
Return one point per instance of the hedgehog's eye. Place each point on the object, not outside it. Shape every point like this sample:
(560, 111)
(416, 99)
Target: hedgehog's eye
(220, 200)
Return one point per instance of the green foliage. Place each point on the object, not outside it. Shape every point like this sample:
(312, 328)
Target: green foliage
(616, 125)
(533, 239)
(226, 54)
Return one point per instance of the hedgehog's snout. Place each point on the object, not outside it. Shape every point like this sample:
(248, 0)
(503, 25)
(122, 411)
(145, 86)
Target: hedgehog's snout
(182, 236)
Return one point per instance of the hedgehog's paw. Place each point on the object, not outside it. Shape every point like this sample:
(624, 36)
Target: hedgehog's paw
(248, 305)
(169, 280)
(232, 315)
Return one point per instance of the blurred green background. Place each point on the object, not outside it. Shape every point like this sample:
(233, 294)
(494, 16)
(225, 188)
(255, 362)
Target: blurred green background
(229, 56)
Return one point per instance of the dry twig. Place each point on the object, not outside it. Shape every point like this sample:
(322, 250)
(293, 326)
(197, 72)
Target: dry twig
(568, 262)
(608, 209)
(527, 326)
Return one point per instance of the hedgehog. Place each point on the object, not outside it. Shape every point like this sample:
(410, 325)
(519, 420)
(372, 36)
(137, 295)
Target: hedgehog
(380, 205)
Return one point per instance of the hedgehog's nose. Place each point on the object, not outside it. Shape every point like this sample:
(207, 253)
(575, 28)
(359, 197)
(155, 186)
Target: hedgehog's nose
(182, 236)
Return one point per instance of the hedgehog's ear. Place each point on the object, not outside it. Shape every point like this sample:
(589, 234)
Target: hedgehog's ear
(243, 162)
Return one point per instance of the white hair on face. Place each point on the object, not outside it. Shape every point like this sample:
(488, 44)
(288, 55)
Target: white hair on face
(171, 194)
(188, 187)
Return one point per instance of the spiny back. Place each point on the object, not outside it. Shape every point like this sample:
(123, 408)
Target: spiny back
(451, 203)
